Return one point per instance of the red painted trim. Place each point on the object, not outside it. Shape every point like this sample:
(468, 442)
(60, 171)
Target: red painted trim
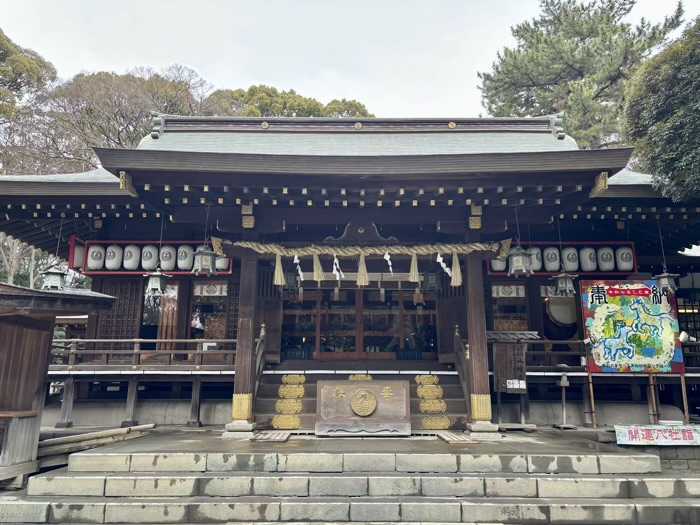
(592, 244)
(137, 272)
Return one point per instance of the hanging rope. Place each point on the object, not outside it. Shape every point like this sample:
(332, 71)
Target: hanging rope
(362, 275)
(279, 279)
(456, 272)
(413, 272)
(318, 269)
(500, 248)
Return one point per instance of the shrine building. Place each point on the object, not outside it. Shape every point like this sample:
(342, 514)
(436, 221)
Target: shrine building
(247, 255)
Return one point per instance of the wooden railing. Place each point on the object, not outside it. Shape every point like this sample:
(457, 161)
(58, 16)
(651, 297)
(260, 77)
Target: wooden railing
(259, 359)
(462, 365)
(142, 354)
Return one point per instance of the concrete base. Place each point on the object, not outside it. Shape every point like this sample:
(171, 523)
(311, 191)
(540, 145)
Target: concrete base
(193, 424)
(238, 429)
(482, 426)
(485, 436)
(240, 426)
(238, 435)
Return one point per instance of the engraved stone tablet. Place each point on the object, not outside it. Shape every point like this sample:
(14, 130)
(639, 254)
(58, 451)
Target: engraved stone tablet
(363, 408)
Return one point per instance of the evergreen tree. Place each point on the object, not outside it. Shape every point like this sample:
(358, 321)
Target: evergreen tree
(662, 116)
(574, 58)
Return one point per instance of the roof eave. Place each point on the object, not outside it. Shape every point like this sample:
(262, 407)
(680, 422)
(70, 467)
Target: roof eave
(116, 160)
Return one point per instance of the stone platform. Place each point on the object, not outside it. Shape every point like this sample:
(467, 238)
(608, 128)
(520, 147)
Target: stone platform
(193, 476)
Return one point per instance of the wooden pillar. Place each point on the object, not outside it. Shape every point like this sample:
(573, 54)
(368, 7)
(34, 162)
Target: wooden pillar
(66, 420)
(131, 395)
(479, 387)
(244, 381)
(196, 402)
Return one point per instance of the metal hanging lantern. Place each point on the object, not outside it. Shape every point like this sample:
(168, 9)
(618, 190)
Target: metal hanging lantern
(519, 262)
(564, 285)
(667, 281)
(54, 279)
(204, 261)
(156, 283)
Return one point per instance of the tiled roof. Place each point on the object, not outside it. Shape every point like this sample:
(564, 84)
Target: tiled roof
(342, 144)
(630, 178)
(356, 137)
(94, 182)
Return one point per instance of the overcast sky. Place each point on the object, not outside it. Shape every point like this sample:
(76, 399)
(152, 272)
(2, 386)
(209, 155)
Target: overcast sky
(399, 57)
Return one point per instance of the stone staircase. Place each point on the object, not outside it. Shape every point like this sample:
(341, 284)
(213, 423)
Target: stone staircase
(354, 487)
(446, 410)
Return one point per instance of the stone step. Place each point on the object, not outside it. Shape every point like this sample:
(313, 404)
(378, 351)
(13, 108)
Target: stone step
(97, 461)
(267, 405)
(63, 483)
(443, 379)
(271, 391)
(307, 421)
(14, 509)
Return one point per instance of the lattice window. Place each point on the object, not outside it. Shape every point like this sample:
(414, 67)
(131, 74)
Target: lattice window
(234, 286)
(123, 320)
(689, 312)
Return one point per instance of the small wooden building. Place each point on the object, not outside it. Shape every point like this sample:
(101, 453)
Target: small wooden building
(26, 330)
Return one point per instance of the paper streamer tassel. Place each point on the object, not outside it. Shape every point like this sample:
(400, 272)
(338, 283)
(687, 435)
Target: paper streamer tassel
(442, 262)
(336, 269)
(387, 258)
(413, 276)
(456, 272)
(297, 262)
(318, 269)
(362, 275)
(279, 274)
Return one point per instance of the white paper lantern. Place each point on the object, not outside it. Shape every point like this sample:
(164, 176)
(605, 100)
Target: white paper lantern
(113, 257)
(132, 257)
(535, 258)
(624, 259)
(606, 259)
(569, 258)
(552, 263)
(168, 258)
(149, 257)
(96, 257)
(222, 264)
(78, 256)
(498, 266)
(185, 257)
(587, 259)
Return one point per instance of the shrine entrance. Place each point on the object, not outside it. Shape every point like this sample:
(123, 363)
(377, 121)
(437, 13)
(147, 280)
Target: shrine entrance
(359, 324)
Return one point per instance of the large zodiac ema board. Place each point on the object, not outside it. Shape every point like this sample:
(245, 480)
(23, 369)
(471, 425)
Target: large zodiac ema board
(632, 326)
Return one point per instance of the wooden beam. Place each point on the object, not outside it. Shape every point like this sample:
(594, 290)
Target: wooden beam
(67, 399)
(195, 402)
(245, 339)
(480, 387)
(132, 394)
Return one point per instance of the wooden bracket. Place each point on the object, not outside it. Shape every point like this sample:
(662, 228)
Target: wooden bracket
(600, 186)
(126, 184)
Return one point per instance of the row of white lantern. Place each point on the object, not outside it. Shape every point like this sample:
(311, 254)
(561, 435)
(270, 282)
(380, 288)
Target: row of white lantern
(149, 257)
(587, 259)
